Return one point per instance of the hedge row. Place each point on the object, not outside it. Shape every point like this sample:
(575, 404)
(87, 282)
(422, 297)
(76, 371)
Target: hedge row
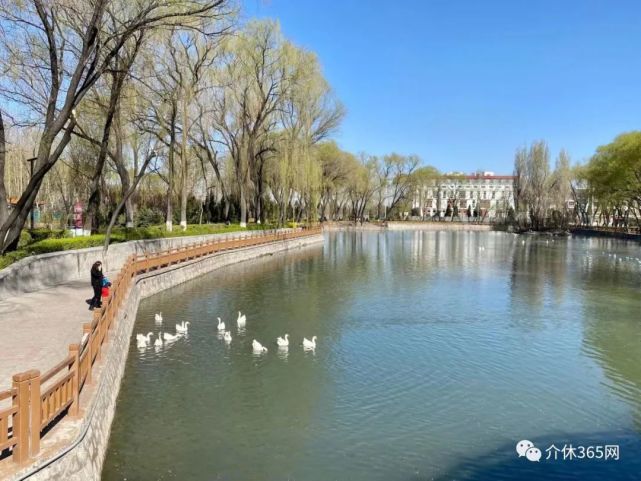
(159, 231)
(69, 243)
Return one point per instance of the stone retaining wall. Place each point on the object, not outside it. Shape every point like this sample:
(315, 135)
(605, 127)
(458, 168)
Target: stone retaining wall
(83, 457)
(46, 270)
(588, 232)
(456, 226)
(405, 225)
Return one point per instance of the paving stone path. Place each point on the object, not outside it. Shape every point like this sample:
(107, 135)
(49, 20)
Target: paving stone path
(36, 328)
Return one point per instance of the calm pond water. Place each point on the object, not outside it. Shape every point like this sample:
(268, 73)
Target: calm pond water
(437, 352)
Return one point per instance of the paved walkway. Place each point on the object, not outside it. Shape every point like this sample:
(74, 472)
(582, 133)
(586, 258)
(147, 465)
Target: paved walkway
(37, 328)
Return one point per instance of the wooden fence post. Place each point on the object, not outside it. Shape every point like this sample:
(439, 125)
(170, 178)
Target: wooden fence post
(34, 393)
(96, 318)
(86, 329)
(21, 419)
(74, 351)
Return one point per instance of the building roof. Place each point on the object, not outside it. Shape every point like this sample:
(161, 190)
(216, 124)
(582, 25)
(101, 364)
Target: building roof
(490, 177)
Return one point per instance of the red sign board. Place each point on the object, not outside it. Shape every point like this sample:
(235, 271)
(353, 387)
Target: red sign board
(77, 215)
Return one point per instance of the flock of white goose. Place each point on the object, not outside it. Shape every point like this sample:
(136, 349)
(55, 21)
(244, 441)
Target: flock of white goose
(143, 341)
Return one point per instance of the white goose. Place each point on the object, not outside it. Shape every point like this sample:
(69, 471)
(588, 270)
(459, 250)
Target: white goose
(143, 337)
(221, 324)
(283, 342)
(143, 341)
(182, 327)
(307, 344)
(242, 320)
(158, 318)
(227, 336)
(258, 347)
(170, 337)
(158, 341)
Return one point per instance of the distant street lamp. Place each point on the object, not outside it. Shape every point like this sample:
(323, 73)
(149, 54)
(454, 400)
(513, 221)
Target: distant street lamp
(31, 160)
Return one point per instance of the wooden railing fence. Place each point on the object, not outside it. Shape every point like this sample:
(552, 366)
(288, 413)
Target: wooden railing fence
(37, 401)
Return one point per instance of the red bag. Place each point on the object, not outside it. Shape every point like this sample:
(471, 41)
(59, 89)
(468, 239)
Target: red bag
(105, 291)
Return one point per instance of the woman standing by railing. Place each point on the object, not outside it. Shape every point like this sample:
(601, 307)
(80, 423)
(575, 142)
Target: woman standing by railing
(96, 282)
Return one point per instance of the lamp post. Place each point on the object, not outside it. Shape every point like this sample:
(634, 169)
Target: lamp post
(31, 161)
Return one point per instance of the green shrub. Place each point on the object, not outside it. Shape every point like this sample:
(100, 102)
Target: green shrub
(25, 239)
(148, 217)
(69, 243)
(265, 226)
(41, 234)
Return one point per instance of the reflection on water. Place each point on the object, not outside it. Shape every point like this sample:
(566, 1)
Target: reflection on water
(436, 353)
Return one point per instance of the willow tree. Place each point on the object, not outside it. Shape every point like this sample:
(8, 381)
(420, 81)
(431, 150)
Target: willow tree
(108, 109)
(426, 177)
(532, 181)
(401, 185)
(209, 148)
(364, 184)
(560, 189)
(53, 53)
(336, 166)
(310, 112)
(614, 175)
(253, 80)
(195, 57)
(518, 184)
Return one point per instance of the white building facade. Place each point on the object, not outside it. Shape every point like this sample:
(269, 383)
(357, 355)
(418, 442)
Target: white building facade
(481, 195)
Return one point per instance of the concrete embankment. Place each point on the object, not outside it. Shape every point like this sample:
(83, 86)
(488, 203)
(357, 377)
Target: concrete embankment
(433, 226)
(46, 270)
(75, 449)
(613, 234)
(406, 225)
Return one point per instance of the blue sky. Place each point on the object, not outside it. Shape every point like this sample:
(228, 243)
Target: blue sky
(463, 83)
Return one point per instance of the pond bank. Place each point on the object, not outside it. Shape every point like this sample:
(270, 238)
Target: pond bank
(75, 448)
(406, 225)
(42, 271)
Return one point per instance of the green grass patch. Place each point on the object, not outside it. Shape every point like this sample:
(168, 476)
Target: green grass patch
(11, 257)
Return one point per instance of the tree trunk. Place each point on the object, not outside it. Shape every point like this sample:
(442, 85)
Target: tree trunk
(93, 205)
(169, 222)
(45, 160)
(260, 186)
(226, 209)
(242, 180)
(123, 172)
(184, 164)
(4, 209)
(243, 207)
(212, 157)
(127, 195)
